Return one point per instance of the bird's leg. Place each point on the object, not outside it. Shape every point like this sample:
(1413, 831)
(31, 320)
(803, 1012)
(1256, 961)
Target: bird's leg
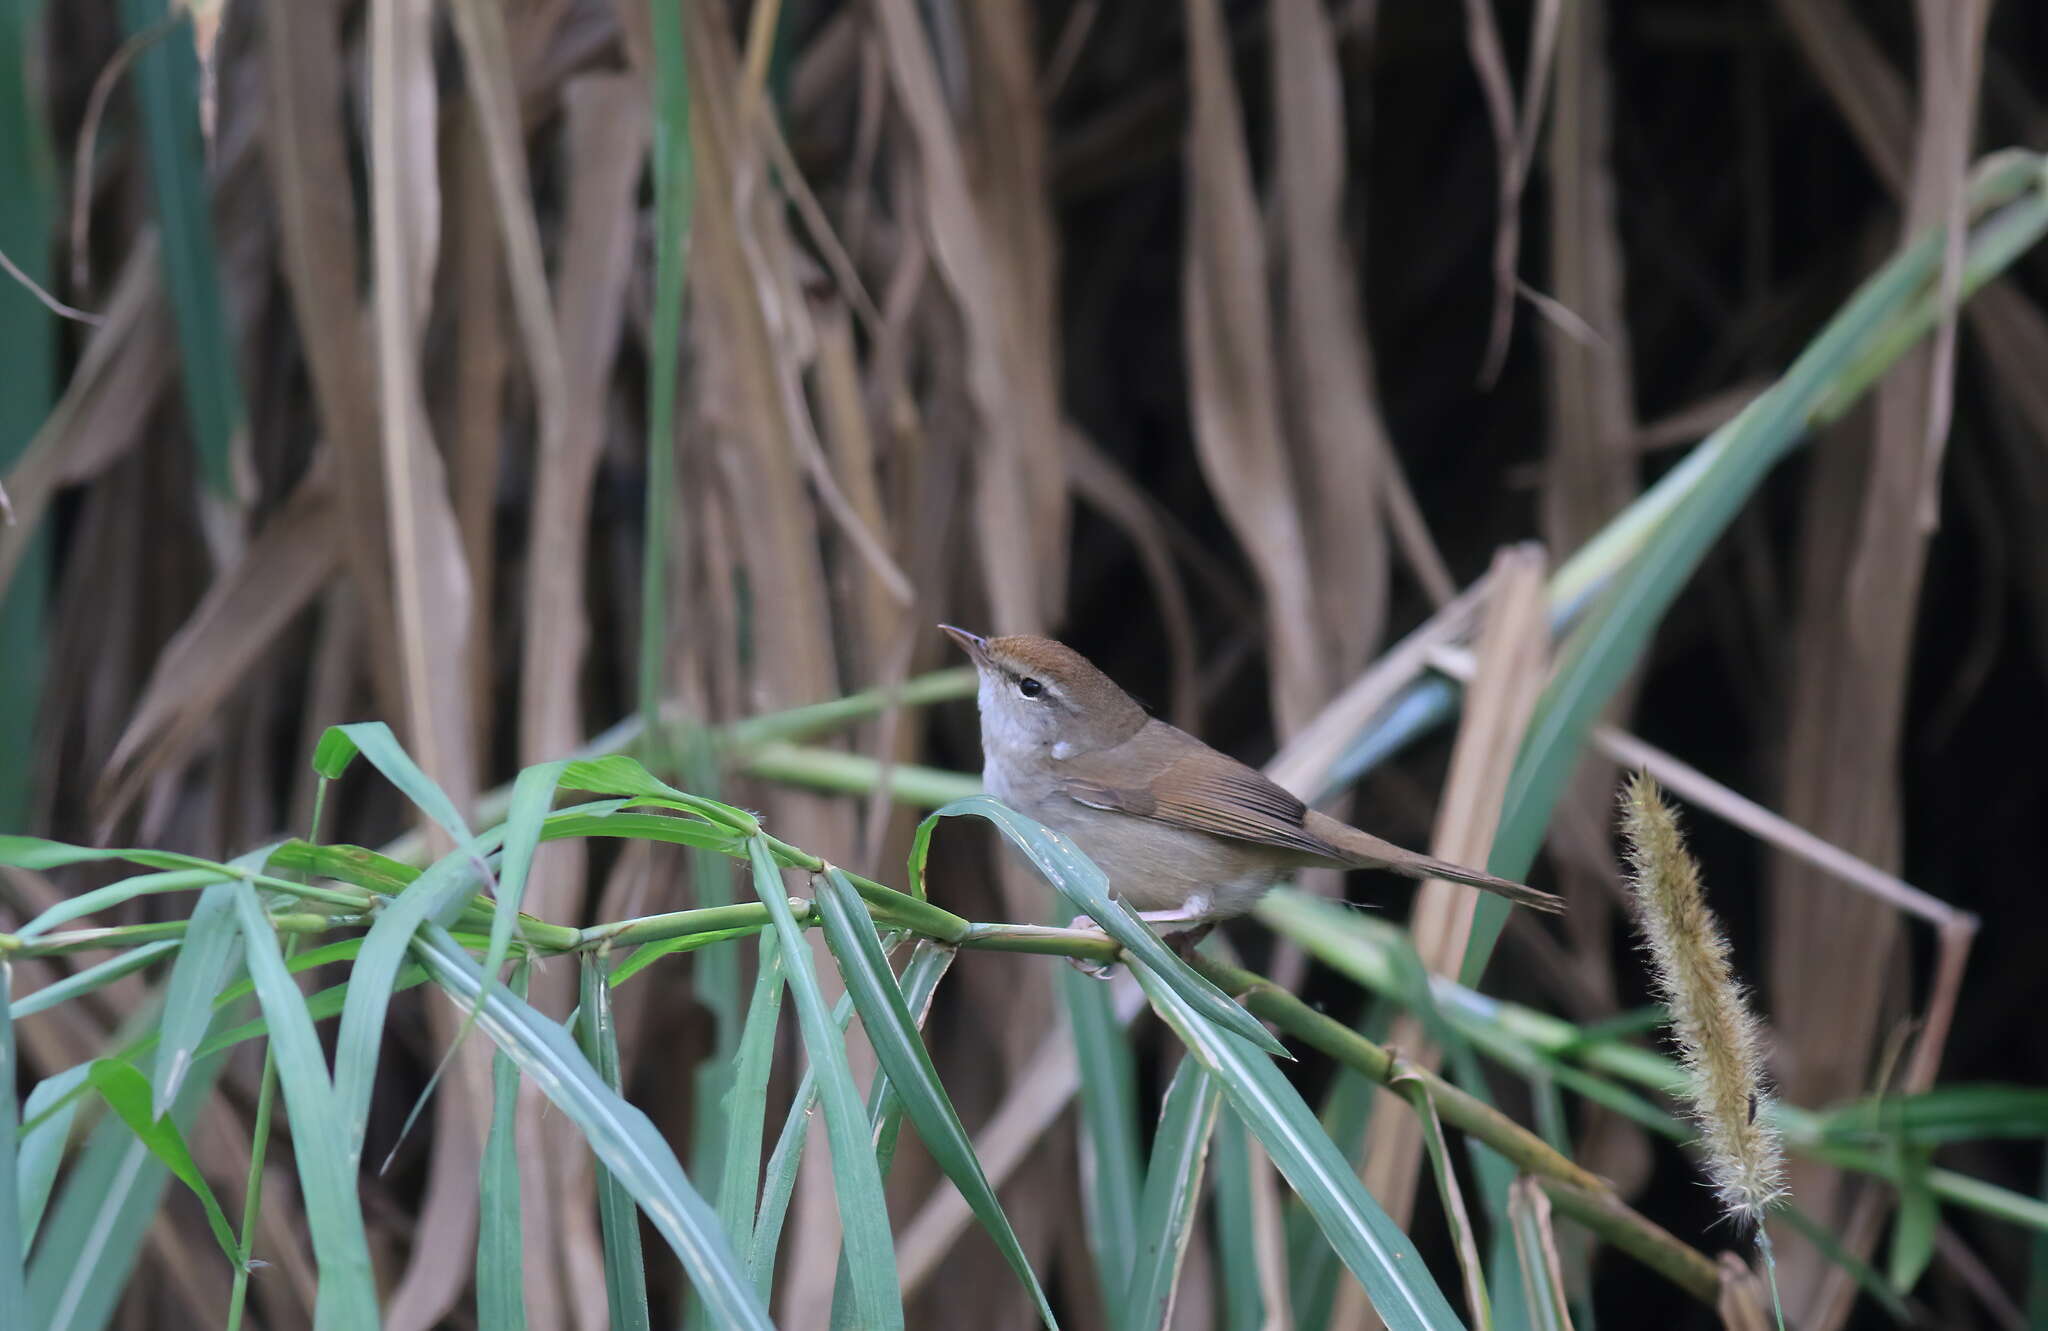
(1182, 941)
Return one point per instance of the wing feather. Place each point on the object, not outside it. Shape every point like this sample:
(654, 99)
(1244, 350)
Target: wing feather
(1204, 792)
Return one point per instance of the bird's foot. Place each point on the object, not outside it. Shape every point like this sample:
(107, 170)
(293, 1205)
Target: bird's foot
(1094, 970)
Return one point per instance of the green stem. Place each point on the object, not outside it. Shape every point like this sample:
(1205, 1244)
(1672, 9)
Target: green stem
(259, 1147)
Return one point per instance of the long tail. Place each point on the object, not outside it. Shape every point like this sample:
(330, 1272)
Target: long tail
(1367, 851)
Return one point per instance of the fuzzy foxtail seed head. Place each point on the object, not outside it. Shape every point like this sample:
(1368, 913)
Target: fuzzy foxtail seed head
(1718, 1037)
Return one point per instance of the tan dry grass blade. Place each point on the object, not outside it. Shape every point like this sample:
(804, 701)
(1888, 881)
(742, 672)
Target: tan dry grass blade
(1340, 440)
(430, 583)
(1106, 487)
(1514, 648)
(305, 151)
(1863, 557)
(126, 367)
(1514, 146)
(1233, 376)
(232, 629)
(1019, 510)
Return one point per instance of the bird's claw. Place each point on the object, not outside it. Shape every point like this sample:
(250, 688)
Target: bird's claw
(1094, 970)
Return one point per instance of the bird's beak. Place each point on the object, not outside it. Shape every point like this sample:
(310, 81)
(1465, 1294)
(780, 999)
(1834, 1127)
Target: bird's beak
(972, 643)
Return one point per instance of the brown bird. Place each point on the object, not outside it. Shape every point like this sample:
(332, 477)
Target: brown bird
(1187, 835)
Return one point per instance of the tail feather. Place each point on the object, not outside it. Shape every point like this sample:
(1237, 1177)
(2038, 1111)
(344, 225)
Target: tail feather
(1366, 851)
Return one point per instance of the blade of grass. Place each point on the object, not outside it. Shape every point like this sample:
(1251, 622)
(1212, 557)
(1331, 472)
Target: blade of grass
(14, 1221)
(127, 1092)
(45, 1128)
(1112, 1172)
(1536, 1252)
(1312, 1265)
(778, 1179)
(94, 977)
(500, 1264)
(373, 740)
(436, 896)
(746, 1099)
(863, 1212)
(167, 98)
(621, 1136)
(625, 1274)
(1463, 1237)
(1375, 1251)
(205, 960)
(1243, 1303)
(893, 1032)
(1173, 1185)
(532, 793)
(1077, 878)
(325, 1150)
(672, 195)
(114, 894)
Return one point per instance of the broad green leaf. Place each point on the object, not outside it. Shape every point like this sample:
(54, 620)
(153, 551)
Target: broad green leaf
(863, 1212)
(532, 793)
(374, 741)
(437, 896)
(1237, 1257)
(647, 827)
(1377, 1252)
(1060, 862)
(1173, 1186)
(127, 1093)
(1913, 1228)
(166, 78)
(621, 1136)
(321, 1139)
(617, 774)
(778, 1178)
(1112, 1175)
(46, 1128)
(912, 1079)
(500, 1262)
(625, 1274)
(746, 1099)
(205, 960)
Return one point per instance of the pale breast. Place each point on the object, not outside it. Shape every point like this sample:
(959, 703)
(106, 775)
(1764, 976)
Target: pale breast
(1151, 865)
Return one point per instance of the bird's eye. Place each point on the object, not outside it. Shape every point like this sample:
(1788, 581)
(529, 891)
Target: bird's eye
(1029, 687)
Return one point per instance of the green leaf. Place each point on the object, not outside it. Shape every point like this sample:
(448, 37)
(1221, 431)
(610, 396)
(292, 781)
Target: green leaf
(205, 960)
(167, 96)
(778, 1180)
(1377, 1252)
(46, 1128)
(532, 793)
(648, 953)
(115, 894)
(374, 741)
(1237, 1257)
(1112, 1175)
(863, 1213)
(1464, 1239)
(14, 1222)
(1913, 1228)
(1061, 863)
(436, 896)
(618, 774)
(1940, 1116)
(84, 982)
(500, 1262)
(321, 1139)
(619, 1135)
(900, 1050)
(127, 1093)
(625, 1275)
(1173, 1185)
(647, 827)
(746, 1099)
(672, 194)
